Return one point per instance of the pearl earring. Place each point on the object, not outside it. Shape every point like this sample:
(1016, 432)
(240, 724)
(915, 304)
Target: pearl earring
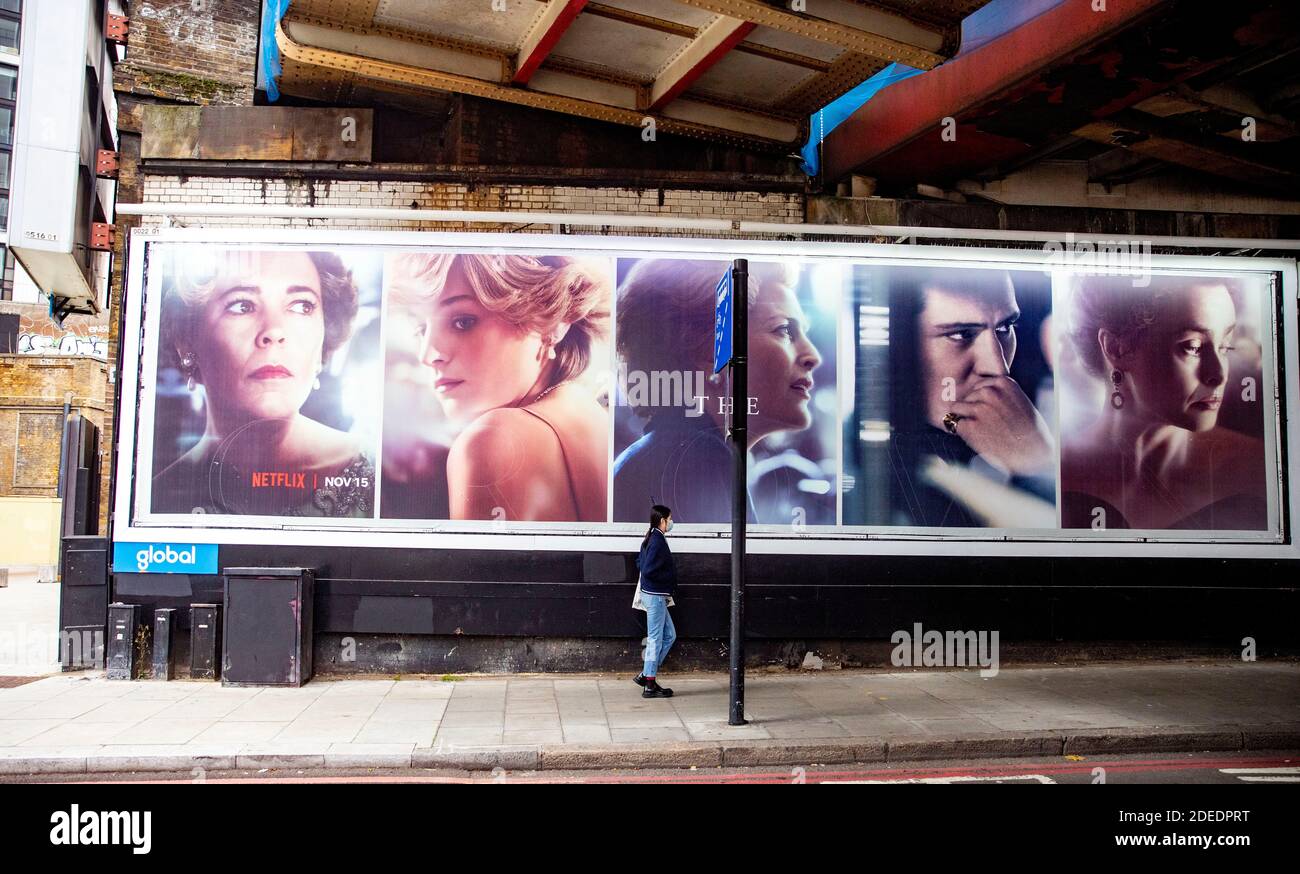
(1116, 399)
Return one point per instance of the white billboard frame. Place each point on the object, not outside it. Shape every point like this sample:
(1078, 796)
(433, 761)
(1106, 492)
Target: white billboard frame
(141, 321)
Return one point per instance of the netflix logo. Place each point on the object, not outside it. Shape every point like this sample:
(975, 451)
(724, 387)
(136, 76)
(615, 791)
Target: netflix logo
(279, 479)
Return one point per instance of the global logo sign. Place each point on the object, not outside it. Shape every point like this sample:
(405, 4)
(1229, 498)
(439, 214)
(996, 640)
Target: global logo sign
(166, 555)
(165, 558)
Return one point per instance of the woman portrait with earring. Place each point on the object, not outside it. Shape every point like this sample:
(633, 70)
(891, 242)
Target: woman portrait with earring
(251, 332)
(507, 346)
(1155, 455)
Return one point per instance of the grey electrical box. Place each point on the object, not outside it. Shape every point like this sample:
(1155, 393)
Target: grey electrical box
(164, 638)
(268, 626)
(123, 631)
(205, 641)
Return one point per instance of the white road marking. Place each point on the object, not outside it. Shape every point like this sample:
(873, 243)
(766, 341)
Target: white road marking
(1264, 775)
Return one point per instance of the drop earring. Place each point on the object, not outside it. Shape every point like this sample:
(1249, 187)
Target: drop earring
(187, 364)
(315, 384)
(1116, 399)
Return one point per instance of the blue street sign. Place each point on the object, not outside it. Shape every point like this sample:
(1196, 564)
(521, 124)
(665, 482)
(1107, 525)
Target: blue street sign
(722, 323)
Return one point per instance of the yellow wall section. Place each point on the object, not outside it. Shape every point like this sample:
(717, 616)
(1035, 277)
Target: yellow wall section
(29, 531)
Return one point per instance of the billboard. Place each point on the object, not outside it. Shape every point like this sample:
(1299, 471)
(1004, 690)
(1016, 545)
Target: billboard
(480, 388)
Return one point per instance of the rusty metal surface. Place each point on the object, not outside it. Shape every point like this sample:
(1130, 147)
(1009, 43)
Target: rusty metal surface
(1067, 73)
(257, 133)
(432, 80)
(787, 67)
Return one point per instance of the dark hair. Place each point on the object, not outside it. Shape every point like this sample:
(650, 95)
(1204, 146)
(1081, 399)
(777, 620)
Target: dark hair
(665, 312)
(1128, 311)
(658, 513)
(904, 293)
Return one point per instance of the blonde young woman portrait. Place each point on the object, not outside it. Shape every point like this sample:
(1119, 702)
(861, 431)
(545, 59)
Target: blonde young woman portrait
(250, 333)
(1156, 455)
(506, 343)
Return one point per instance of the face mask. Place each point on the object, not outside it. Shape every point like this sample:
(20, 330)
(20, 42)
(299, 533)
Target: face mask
(669, 527)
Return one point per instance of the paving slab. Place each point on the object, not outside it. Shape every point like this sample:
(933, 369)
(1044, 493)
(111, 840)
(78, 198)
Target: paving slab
(65, 724)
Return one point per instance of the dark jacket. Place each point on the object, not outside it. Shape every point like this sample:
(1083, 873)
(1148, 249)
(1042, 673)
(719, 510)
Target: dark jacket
(681, 461)
(658, 571)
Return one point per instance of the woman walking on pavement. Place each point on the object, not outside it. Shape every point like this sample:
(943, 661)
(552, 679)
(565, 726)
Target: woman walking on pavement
(654, 596)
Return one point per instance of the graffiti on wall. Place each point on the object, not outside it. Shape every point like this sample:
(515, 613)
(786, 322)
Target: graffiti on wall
(37, 335)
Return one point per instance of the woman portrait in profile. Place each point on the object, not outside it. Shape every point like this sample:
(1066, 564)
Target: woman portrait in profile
(507, 340)
(252, 331)
(664, 338)
(1157, 456)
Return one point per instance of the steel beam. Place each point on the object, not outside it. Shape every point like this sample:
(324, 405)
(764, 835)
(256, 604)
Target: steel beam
(1155, 137)
(709, 47)
(874, 32)
(545, 33)
(551, 90)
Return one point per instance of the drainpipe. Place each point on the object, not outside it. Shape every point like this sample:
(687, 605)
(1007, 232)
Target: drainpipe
(63, 441)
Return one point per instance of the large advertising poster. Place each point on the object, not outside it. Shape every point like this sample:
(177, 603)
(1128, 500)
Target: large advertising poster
(672, 416)
(265, 381)
(951, 420)
(546, 387)
(496, 388)
(1162, 403)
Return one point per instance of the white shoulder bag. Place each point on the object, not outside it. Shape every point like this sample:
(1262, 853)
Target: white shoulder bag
(638, 604)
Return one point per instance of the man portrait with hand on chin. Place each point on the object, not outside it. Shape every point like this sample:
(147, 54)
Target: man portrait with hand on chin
(965, 430)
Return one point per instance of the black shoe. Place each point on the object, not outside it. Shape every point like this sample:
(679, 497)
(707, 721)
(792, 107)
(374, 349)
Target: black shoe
(639, 679)
(654, 690)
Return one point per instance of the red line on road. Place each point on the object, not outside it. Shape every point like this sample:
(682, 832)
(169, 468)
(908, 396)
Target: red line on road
(769, 777)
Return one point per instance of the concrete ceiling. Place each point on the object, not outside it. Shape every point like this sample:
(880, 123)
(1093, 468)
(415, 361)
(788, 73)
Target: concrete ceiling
(748, 72)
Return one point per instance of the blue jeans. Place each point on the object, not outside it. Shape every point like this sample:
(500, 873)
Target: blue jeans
(660, 633)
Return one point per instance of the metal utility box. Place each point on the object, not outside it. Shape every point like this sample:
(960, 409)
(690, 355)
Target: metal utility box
(83, 602)
(123, 630)
(81, 647)
(164, 638)
(205, 641)
(267, 633)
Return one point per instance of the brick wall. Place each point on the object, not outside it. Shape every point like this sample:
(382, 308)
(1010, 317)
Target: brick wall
(191, 51)
(734, 205)
(32, 392)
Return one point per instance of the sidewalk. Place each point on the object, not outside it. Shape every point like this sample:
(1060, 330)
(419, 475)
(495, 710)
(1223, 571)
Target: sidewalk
(86, 723)
(29, 621)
